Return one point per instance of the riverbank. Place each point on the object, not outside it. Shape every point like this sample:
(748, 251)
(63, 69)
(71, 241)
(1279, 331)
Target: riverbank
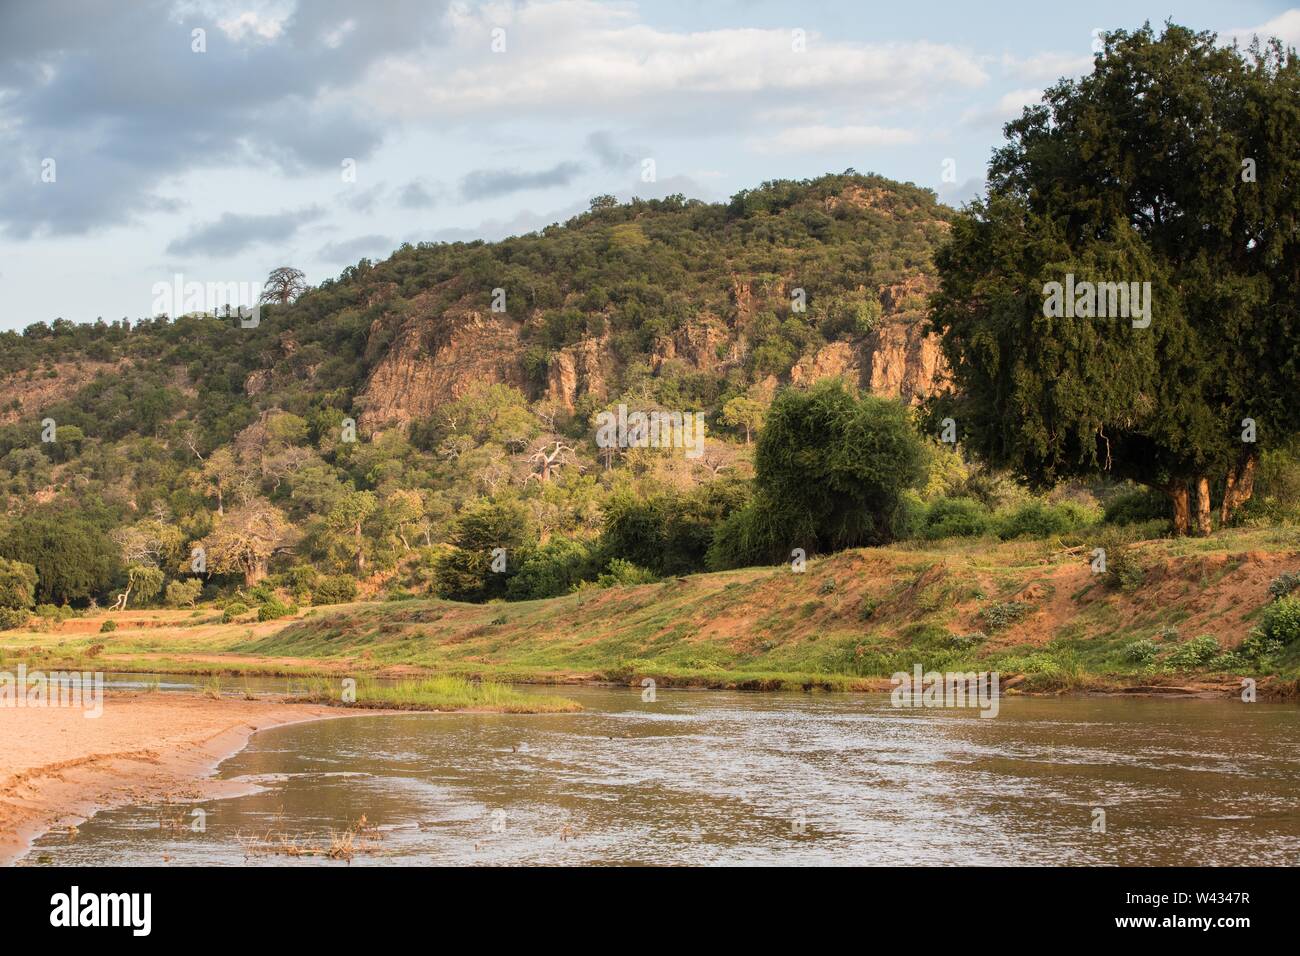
(1034, 611)
(58, 767)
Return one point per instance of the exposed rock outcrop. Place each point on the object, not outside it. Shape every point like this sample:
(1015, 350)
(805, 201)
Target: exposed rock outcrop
(434, 359)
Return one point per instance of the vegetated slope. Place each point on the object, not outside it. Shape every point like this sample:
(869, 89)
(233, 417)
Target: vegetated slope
(1020, 607)
(689, 293)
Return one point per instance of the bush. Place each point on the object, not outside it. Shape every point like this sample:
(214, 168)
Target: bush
(1284, 584)
(1258, 647)
(335, 589)
(183, 593)
(232, 611)
(956, 518)
(108, 626)
(1281, 620)
(1037, 519)
(1196, 653)
(998, 616)
(17, 584)
(1136, 507)
(1143, 651)
(1124, 569)
(554, 568)
(12, 618)
(275, 608)
(620, 573)
(964, 642)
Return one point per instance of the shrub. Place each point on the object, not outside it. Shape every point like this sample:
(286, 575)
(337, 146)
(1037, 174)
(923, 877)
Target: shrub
(956, 518)
(1259, 647)
(1037, 519)
(1004, 614)
(1136, 507)
(232, 611)
(1142, 651)
(554, 568)
(1281, 620)
(1284, 584)
(1124, 569)
(1197, 652)
(335, 589)
(620, 573)
(17, 584)
(12, 618)
(108, 626)
(964, 642)
(183, 593)
(275, 608)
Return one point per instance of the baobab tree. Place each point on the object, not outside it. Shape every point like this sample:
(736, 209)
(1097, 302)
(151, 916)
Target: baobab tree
(549, 462)
(283, 285)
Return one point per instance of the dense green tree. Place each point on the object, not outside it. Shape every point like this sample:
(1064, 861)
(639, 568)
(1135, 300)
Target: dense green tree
(1175, 163)
(830, 470)
(74, 560)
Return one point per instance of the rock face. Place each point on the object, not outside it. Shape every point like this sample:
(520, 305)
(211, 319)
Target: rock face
(432, 360)
(577, 370)
(426, 358)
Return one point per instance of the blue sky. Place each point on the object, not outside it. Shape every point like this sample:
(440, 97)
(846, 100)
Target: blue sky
(223, 163)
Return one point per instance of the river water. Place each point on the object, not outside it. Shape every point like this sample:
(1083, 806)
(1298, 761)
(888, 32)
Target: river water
(702, 777)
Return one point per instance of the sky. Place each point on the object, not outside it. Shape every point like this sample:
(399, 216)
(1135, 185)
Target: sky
(218, 140)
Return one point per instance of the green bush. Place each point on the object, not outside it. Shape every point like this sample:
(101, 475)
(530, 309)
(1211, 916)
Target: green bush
(17, 584)
(232, 611)
(1125, 569)
(964, 642)
(108, 626)
(12, 618)
(1142, 651)
(554, 568)
(1196, 653)
(183, 593)
(1281, 620)
(956, 518)
(1284, 584)
(1136, 507)
(335, 589)
(1038, 519)
(620, 573)
(275, 608)
(1004, 614)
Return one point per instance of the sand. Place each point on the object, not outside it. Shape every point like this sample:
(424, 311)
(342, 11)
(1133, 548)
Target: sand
(57, 767)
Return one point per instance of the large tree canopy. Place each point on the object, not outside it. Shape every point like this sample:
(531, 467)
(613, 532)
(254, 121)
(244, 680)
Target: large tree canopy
(1175, 162)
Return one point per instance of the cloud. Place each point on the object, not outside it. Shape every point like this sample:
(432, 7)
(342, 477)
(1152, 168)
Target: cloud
(955, 194)
(351, 251)
(490, 183)
(1285, 26)
(821, 139)
(118, 96)
(1009, 106)
(234, 232)
(611, 156)
(1047, 67)
(591, 59)
(417, 195)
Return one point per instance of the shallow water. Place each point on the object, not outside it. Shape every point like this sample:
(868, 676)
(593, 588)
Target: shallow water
(731, 777)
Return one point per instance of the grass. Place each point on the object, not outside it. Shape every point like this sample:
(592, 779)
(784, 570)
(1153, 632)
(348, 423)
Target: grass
(439, 693)
(761, 628)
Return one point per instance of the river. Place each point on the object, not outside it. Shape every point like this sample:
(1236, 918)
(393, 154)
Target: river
(701, 777)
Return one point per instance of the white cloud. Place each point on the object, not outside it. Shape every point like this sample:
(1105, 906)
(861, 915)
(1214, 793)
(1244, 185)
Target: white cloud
(818, 139)
(1285, 26)
(578, 56)
(1009, 107)
(1047, 67)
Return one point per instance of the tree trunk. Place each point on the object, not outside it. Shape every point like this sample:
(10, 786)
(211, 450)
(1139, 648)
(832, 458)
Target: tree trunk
(221, 508)
(1204, 524)
(1178, 496)
(361, 552)
(1240, 485)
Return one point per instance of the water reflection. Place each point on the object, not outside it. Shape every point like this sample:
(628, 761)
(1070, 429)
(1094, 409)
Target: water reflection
(718, 777)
